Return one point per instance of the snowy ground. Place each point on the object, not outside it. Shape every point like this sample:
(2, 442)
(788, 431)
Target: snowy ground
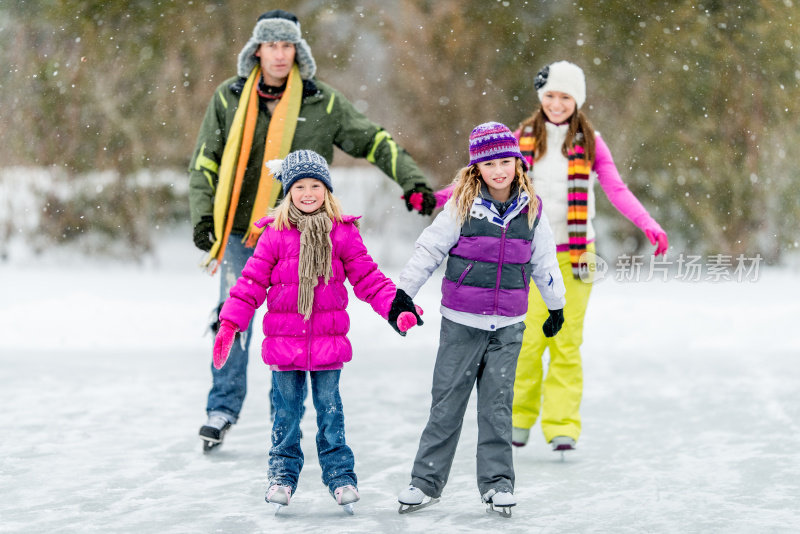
(691, 417)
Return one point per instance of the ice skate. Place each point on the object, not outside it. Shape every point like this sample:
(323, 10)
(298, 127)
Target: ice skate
(562, 444)
(278, 496)
(499, 502)
(412, 499)
(213, 432)
(519, 436)
(345, 497)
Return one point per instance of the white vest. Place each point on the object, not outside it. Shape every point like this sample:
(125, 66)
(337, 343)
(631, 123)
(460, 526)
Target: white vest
(550, 183)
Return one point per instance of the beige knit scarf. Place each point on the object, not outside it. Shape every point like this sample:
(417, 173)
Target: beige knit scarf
(315, 253)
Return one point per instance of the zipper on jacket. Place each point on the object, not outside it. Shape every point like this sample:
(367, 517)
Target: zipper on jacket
(499, 269)
(308, 343)
(524, 278)
(464, 274)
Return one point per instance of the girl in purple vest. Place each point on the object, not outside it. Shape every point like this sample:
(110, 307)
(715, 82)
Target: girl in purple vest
(495, 238)
(301, 261)
(566, 156)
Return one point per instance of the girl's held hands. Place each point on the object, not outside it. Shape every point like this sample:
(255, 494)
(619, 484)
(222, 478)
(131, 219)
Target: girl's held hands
(658, 237)
(407, 319)
(223, 342)
(402, 307)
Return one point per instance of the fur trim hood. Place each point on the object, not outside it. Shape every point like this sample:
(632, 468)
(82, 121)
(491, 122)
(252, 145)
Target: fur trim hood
(277, 29)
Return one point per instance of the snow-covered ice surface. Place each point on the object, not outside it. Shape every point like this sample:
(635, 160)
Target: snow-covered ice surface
(691, 412)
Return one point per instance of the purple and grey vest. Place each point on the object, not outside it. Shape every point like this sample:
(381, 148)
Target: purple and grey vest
(489, 269)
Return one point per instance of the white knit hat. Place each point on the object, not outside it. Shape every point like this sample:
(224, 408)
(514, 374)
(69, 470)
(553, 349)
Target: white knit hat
(564, 77)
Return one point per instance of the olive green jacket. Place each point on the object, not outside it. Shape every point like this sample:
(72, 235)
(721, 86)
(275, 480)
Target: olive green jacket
(326, 119)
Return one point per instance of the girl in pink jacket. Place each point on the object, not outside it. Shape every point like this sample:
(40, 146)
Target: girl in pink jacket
(307, 250)
(566, 156)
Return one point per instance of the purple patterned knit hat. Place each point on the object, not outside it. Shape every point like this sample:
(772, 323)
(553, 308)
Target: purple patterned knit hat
(492, 140)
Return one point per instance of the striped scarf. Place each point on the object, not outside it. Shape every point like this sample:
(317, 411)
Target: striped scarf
(578, 169)
(235, 156)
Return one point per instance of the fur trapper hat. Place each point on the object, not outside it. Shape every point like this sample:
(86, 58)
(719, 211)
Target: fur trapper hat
(564, 77)
(277, 25)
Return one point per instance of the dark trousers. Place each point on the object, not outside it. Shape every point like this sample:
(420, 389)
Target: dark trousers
(468, 356)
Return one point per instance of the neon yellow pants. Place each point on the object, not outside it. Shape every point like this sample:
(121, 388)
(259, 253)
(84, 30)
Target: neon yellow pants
(557, 398)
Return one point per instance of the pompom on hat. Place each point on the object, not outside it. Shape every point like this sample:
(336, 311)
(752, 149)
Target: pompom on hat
(273, 26)
(493, 140)
(564, 77)
(300, 164)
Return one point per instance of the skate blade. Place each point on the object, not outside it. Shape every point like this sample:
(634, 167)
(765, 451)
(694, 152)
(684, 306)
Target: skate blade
(277, 506)
(562, 453)
(348, 509)
(209, 446)
(408, 508)
(502, 511)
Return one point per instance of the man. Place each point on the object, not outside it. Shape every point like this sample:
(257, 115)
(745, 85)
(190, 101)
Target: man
(274, 106)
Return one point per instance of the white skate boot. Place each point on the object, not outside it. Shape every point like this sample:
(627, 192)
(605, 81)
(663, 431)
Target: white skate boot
(499, 502)
(519, 436)
(345, 497)
(562, 444)
(278, 496)
(412, 499)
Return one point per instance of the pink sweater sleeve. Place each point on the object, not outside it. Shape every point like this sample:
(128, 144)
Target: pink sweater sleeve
(616, 190)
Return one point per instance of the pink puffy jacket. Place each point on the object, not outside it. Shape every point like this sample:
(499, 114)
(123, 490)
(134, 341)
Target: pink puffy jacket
(291, 343)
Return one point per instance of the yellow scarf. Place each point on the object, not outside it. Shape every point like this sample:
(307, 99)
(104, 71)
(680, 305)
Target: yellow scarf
(236, 154)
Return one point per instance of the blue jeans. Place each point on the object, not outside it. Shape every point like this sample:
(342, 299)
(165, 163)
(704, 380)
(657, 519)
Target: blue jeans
(229, 385)
(285, 457)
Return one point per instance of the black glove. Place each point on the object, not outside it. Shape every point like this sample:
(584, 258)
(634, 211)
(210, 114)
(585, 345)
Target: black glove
(402, 303)
(421, 199)
(553, 323)
(214, 320)
(204, 233)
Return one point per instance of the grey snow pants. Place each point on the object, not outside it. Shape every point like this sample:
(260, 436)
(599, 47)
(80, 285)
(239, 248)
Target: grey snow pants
(467, 355)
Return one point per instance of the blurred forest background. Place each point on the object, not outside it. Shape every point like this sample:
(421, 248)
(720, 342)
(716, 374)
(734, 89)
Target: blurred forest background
(100, 102)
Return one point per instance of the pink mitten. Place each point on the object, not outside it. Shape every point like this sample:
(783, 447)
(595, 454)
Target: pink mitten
(407, 319)
(415, 199)
(658, 237)
(223, 342)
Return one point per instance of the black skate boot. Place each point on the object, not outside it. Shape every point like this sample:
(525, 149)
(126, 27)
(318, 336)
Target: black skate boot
(213, 432)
